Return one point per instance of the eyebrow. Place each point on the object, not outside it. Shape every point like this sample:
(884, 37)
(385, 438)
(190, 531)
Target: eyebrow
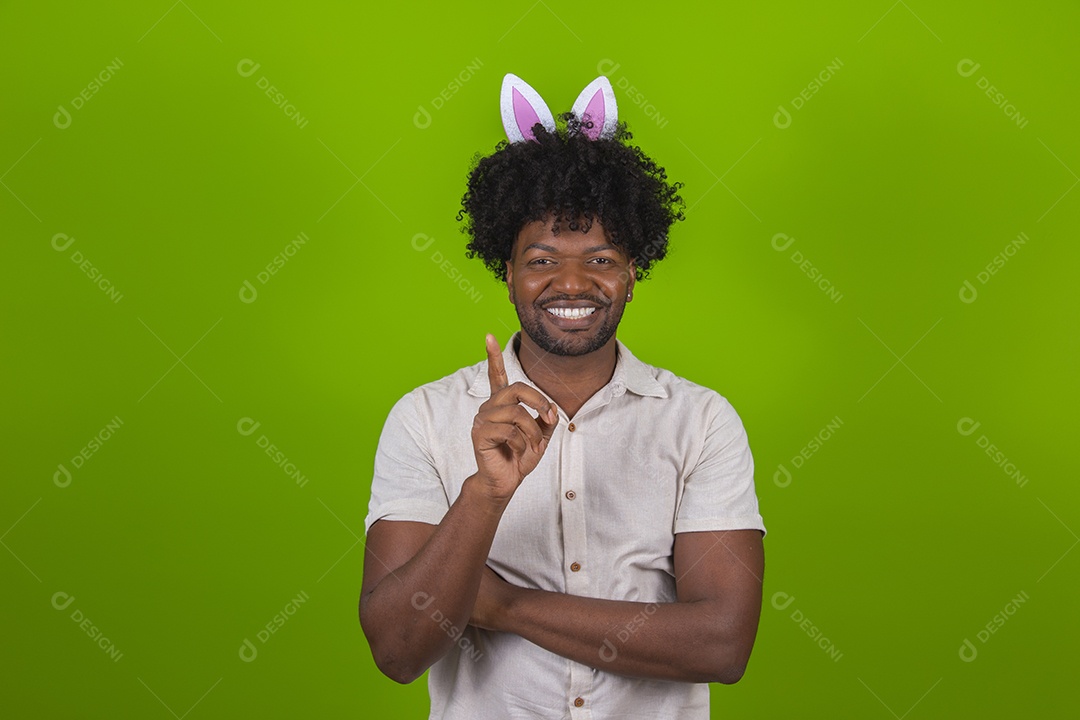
(550, 249)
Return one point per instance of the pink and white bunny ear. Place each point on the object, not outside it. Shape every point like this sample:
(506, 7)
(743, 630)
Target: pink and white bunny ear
(522, 107)
(596, 103)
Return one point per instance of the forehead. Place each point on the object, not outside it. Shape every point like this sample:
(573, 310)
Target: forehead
(540, 231)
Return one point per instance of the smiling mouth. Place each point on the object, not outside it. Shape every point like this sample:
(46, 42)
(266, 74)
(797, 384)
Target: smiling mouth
(571, 313)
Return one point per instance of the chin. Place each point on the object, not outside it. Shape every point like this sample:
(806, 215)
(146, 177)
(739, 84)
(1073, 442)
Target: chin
(568, 344)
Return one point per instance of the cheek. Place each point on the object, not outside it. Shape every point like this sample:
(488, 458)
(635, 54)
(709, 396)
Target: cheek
(528, 289)
(619, 283)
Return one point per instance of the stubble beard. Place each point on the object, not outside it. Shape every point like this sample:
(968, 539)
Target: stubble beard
(570, 343)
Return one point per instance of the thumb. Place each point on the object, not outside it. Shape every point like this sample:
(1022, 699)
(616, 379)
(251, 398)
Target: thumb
(548, 429)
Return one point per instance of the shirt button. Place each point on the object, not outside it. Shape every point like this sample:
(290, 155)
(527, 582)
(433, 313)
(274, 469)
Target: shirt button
(574, 567)
(571, 427)
(578, 702)
(570, 494)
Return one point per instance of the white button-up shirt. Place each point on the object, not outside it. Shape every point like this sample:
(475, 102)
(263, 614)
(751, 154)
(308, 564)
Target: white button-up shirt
(649, 455)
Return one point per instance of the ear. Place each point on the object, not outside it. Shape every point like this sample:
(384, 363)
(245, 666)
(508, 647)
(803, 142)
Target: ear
(522, 107)
(510, 281)
(596, 103)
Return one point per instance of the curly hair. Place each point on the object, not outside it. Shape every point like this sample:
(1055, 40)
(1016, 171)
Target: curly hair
(564, 175)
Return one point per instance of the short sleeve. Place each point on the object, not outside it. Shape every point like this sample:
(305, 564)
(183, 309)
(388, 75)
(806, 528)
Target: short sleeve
(406, 484)
(718, 493)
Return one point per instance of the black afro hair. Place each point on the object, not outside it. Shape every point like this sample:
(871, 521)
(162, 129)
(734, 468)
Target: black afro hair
(564, 175)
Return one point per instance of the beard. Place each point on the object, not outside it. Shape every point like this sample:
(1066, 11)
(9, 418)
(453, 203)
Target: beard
(570, 342)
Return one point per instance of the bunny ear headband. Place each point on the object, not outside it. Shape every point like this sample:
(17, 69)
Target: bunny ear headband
(522, 107)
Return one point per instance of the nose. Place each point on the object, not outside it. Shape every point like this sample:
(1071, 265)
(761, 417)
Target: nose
(572, 279)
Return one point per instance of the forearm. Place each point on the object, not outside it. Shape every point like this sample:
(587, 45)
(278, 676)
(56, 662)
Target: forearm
(406, 616)
(683, 641)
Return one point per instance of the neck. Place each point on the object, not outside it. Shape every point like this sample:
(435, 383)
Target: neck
(569, 380)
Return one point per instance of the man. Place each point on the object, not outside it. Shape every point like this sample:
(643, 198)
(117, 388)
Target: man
(563, 531)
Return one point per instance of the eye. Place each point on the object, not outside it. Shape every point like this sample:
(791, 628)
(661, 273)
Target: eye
(539, 260)
(604, 261)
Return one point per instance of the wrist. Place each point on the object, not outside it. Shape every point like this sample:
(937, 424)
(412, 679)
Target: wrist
(507, 613)
(475, 491)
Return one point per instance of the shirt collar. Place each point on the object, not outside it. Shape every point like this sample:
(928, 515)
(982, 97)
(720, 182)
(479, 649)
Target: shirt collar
(630, 373)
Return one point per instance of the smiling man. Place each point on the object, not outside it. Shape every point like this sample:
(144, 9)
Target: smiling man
(569, 291)
(562, 530)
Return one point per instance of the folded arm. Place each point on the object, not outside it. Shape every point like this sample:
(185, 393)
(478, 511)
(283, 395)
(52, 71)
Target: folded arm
(706, 636)
(416, 576)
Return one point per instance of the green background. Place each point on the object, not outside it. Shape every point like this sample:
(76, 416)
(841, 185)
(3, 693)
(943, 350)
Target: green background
(900, 179)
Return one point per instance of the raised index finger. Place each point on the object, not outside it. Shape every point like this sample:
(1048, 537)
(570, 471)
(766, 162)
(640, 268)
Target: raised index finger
(496, 369)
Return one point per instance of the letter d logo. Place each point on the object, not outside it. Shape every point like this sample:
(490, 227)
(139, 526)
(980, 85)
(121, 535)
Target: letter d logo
(421, 242)
(782, 477)
(61, 238)
(248, 293)
(422, 601)
(781, 600)
(781, 237)
(607, 67)
(246, 426)
(782, 118)
(966, 426)
(968, 293)
(62, 118)
(248, 651)
(422, 118)
(247, 67)
(968, 651)
(61, 600)
(967, 67)
(62, 477)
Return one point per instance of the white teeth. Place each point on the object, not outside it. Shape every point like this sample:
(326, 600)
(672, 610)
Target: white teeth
(572, 313)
